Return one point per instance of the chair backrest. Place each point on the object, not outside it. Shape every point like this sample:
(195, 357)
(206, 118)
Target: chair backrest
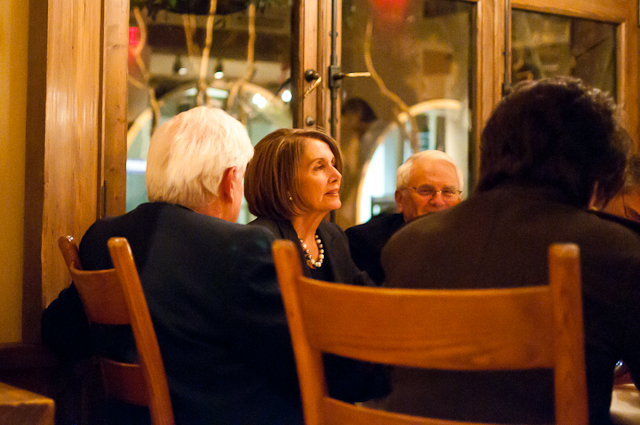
(115, 297)
(473, 329)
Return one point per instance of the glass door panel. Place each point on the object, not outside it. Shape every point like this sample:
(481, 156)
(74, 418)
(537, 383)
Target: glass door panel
(238, 60)
(545, 45)
(419, 53)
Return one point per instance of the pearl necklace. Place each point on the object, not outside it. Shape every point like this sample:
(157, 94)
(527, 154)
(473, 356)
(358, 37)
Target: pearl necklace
(310, 261)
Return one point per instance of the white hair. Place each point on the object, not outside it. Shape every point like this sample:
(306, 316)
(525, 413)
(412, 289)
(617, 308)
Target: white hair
(404, 171)
(189, 154)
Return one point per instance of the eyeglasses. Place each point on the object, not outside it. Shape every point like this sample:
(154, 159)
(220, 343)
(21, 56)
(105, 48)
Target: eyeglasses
(429, 192)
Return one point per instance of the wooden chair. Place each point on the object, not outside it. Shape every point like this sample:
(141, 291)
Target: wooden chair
(492, 329)
(115, 297)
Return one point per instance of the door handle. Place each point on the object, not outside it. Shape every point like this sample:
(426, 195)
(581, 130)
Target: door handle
(311, 75)
(336, 74)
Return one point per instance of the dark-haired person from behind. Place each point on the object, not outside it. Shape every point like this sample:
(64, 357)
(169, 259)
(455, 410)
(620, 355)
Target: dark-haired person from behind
(546, 149)
(291, 184)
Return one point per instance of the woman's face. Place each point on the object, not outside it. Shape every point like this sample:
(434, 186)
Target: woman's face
(319, 179)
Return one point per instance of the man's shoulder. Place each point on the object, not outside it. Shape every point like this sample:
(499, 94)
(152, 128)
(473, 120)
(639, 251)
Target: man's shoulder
(224, 233)
(610, 218)
(168, 219)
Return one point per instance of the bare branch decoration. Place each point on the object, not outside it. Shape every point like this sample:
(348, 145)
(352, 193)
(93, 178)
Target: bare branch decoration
(413, 137)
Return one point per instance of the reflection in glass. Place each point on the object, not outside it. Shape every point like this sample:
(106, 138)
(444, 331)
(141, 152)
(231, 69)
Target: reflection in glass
(545, 45)
(239, 59)
(420, 55)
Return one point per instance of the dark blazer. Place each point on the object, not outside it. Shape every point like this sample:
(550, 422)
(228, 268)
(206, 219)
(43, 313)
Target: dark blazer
(216, 307)
(367, 240)
(337, 258)
(347, 379)
(500, 238)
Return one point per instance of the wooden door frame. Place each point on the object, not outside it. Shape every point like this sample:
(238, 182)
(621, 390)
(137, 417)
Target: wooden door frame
(311, 51)
(113, 199)
(75, 139)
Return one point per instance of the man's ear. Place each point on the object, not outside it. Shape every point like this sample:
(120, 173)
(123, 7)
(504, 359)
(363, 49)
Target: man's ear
(398, 198)
(226, 190)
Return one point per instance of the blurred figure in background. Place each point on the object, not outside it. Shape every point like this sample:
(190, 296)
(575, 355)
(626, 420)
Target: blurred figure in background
(624, 208)
(626, 203)
(357, 146)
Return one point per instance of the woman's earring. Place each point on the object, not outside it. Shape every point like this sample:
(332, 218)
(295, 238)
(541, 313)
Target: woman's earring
(290, 198)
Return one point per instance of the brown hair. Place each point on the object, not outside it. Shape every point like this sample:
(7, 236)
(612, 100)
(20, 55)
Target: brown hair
(272, 175)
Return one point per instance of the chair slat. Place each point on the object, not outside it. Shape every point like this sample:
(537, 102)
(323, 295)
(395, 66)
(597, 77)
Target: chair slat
(103, 303)
(340, 413)
(125, 381)
(510, 326)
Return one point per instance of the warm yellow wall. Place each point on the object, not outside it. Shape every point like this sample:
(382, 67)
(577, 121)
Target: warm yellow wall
(13, 92)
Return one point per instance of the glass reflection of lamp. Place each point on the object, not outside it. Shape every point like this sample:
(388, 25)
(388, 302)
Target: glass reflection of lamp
(259, 100)
(286, 95)
(218, 73)
(284, 91)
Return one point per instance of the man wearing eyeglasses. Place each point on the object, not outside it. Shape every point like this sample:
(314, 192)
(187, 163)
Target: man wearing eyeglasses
(428, 182)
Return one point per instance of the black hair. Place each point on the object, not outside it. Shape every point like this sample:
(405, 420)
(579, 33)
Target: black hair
(555, 132)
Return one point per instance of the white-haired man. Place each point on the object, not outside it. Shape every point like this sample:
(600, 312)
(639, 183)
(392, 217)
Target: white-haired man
(428, 182)
(210, 283)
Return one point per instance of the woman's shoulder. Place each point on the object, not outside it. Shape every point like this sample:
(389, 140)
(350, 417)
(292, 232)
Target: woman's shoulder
(332, 229)
(333, 235)
(279, 228)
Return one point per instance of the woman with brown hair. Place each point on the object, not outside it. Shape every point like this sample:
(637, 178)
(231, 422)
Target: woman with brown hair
(291, 184)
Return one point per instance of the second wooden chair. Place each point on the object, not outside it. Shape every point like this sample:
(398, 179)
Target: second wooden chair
(115, 297)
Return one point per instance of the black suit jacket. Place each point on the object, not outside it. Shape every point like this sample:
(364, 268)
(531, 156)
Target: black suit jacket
(216, 307)
(337, 258)
(347, 379)
(500, 238)
(367, 240)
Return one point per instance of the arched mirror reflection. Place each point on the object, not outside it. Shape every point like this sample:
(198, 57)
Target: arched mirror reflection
(420, 56)
(229, 54)
(441, 124)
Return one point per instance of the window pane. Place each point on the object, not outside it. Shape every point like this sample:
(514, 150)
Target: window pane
(545, 45)
(166, 54)
(420, 52)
